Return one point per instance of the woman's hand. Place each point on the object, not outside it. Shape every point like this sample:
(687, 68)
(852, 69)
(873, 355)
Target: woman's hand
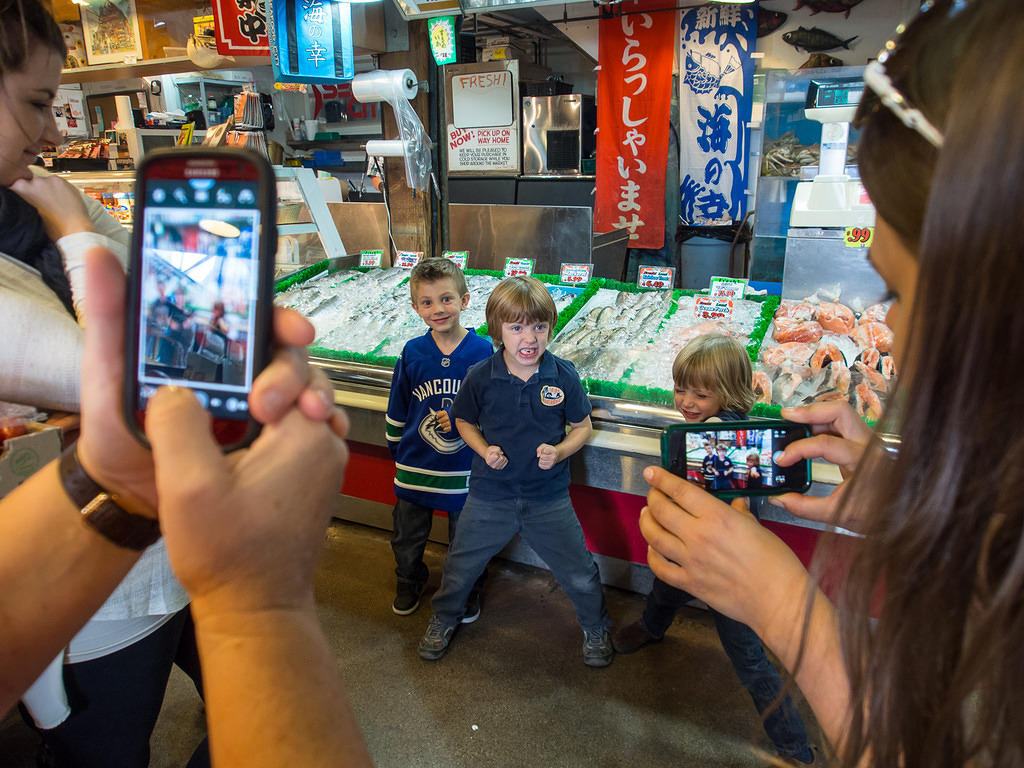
(59, 204)
(718, 553)
(108, 451)
(244, 530)
(839, 436)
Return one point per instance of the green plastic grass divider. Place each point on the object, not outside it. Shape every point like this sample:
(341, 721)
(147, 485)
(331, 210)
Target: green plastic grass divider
(301, 276)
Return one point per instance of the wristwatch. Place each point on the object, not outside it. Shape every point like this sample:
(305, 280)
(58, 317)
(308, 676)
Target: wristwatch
(100, 509)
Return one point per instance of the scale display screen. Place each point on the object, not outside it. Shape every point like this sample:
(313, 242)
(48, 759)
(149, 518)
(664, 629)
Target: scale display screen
(834, 93)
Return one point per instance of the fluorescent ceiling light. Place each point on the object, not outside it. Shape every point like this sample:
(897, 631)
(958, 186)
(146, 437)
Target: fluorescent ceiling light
(219, 228)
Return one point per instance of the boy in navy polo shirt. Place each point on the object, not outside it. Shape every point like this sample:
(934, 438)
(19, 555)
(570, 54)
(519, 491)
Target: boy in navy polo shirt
(513, 410)
(431, 460)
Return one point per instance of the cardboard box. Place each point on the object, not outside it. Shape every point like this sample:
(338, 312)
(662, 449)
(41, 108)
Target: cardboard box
(23, 456)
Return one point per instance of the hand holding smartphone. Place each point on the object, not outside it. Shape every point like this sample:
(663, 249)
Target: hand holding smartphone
(200, 284)
(736, 458)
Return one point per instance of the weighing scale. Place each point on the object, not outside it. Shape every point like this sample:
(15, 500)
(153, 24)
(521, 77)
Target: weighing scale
(832, 199)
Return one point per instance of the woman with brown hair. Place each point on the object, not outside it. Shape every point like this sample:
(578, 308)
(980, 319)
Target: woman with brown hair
(921, 662)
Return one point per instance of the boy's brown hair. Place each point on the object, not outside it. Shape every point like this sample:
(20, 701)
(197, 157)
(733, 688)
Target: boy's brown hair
(519, 300)
(433, 269)
(719, 364)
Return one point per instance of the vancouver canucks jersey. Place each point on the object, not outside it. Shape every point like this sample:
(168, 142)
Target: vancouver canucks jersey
(431, 467)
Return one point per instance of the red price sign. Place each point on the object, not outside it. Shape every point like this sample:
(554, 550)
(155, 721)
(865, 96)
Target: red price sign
(709, 308)
(518, 267)
(859, 237)
(655, 277)
(408, 259)
(575, 274)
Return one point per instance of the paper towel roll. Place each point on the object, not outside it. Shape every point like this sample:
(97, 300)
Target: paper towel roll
(123, 104)
(384, 85)
(385, 148)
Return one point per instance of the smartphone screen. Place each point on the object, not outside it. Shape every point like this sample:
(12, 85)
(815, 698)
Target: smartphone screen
(736, 458)
(200, 282)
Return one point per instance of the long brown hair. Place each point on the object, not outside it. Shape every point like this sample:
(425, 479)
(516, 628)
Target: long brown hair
(25, 24)
(938, 678)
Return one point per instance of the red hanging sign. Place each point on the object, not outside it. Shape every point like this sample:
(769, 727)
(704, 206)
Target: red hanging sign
(241, 27)
(633, 97)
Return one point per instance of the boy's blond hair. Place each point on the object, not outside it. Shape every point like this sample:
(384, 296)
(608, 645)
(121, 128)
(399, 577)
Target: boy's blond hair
(719, 364)
(433, 269)
(753, 458)
(519, 300)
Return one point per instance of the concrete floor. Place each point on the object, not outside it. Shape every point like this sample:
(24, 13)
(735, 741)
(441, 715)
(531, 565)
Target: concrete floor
(513, 689)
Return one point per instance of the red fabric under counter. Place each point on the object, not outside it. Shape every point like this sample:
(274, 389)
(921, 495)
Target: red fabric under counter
(609, 518)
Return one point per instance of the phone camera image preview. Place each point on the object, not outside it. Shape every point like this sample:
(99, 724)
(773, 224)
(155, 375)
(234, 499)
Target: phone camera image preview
(199, 284)
(732, 459)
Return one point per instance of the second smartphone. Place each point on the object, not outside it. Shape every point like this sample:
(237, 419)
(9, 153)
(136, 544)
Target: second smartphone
(201, 284)
(736, 458)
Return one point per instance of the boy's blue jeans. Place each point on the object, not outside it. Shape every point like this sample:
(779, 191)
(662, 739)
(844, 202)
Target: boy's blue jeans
(550, 527)
(783, 723)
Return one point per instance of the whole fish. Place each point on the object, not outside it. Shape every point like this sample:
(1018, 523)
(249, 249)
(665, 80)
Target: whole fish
(769, 21)
(815, 39)
(821, 60)
(828, 6)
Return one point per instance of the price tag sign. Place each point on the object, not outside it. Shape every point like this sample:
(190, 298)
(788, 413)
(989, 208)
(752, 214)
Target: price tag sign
(459, 257)
(408, 259)
(708, 308)
(518, 267)
(727, 288)
(371, 258)
(858, 237)
(575, 274)
(656, 277)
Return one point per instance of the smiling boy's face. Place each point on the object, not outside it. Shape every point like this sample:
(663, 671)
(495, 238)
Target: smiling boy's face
(439, 304)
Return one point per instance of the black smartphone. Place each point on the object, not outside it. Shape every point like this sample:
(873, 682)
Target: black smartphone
(200, 284)
(736, 458)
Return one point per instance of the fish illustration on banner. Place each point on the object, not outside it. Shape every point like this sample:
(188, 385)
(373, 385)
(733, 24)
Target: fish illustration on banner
(715, 102)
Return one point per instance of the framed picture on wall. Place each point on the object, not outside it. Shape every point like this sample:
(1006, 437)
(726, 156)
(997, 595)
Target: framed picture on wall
(111, 30)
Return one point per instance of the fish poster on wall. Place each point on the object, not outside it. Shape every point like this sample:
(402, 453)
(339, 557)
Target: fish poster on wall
(715, 102)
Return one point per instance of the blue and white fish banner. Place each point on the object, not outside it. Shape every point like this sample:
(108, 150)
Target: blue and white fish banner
(310, 41)
(715, 101)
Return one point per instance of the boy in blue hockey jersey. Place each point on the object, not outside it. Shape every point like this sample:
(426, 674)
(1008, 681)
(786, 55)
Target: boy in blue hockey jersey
(432, 462)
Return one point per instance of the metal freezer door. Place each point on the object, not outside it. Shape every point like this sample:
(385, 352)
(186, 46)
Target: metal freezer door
(551, 134)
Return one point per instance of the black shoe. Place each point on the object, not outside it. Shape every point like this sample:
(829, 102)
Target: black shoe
(407, 598)
(597, 648)
(632, 638)
(472, 608)
(434, 643)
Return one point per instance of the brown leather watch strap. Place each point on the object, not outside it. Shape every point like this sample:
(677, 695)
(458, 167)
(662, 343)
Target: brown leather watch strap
(100, 509)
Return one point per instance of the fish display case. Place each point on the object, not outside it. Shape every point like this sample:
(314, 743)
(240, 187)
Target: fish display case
(306, 231)
(363, 317)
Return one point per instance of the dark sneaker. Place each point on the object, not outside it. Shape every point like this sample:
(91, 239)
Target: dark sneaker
(632, 638)
(472, 608)
(407, 598)
(435, 640)
(597, 648)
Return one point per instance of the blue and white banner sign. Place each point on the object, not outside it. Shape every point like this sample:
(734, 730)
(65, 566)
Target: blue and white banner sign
(715, 101)
(311, 41)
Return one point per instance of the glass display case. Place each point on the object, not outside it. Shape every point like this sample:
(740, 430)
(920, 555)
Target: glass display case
(306, 231)
(784, 152)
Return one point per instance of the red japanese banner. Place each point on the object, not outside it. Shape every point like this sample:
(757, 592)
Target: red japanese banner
(634, 88)
(241, 27)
